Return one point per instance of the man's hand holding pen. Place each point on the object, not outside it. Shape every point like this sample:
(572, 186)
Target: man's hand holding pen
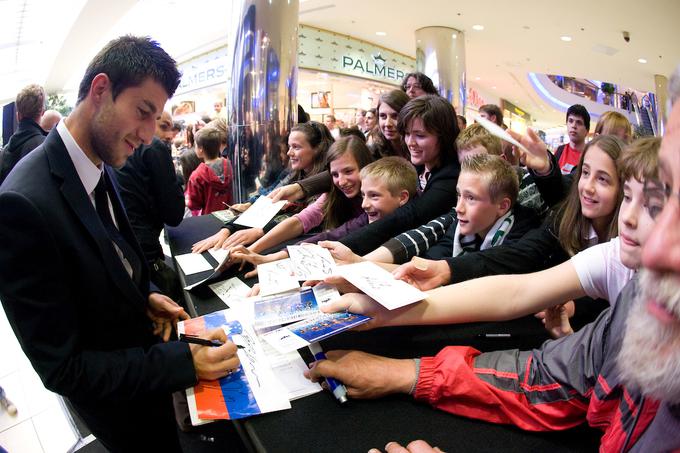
(214, 362)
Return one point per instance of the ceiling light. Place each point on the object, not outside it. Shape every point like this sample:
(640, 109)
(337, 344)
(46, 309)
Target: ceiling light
(642, 60)
(478, 27)
(493, 87)
(381, 33)
(565, 38)
(454, 36)
(477, 78)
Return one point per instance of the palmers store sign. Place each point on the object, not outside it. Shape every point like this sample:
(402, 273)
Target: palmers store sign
(333, 52)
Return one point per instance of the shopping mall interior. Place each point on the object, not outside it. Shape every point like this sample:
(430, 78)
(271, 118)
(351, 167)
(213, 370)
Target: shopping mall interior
(532, 58)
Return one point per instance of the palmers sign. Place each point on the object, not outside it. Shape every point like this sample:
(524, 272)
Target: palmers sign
(341, 54)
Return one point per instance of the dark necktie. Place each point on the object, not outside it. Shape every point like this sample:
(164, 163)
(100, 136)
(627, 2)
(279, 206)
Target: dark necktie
(102, 205)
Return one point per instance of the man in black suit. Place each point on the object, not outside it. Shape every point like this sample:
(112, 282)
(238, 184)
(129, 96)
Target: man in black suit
(73, 279)
(30, 104)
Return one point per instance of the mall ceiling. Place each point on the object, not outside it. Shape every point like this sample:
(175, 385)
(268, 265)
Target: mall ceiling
(50, 42)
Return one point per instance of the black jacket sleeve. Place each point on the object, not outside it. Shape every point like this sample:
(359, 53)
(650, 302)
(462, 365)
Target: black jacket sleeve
(554, 187)
(165, 189)
(538, 249)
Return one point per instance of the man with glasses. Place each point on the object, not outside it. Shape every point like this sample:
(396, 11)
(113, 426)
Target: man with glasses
(620, 373)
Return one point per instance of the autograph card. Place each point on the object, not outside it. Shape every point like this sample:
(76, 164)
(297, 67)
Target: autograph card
(276, 277)
(379, 284)
(311, 330)
(229, 291)
(260, 213)
(311, 262)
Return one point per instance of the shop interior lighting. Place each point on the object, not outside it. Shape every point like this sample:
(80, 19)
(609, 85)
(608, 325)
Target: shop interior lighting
(478, 27)
(381, 33)
(642, 60)
(565, 38)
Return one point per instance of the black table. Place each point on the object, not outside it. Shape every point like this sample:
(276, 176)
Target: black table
(318, 423)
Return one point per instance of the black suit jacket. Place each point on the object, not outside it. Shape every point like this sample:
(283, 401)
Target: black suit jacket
(79, 317)
(151, 193)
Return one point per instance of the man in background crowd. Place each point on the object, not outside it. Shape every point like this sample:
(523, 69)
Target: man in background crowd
(50, 119)
(30, 105)
(153, 197)
(578, 124)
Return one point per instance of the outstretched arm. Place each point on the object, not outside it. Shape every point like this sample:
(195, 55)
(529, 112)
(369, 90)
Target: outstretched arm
(496, 298)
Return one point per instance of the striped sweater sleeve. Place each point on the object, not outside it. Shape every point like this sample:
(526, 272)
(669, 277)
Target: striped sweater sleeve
(417, 241)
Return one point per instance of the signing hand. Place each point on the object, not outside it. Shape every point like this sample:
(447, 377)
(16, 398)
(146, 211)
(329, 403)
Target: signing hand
(340, 252)
(365, 375)
(213, 242)
(537, 158)
(164, 313)
(291, 192)
(424, 274)
(243, 237)
(361, 304)
(214, 362)
(417, 446)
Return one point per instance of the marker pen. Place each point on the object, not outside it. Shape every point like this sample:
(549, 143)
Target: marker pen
(202, 341)
(338, 389)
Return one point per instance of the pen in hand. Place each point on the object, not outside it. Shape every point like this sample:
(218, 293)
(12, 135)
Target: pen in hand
(233, 208)
(202, 341)
(336, 387)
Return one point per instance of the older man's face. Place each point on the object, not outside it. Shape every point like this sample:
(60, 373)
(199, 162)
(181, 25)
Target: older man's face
(650, 355)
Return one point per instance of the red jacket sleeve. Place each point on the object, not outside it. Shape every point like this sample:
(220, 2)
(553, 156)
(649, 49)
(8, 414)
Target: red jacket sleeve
(194, 194)
(506, 387)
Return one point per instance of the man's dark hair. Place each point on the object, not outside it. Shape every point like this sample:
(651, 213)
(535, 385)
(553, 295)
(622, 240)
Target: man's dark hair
(424, 81)
(493, 109)
(580, 111)
(128, 61)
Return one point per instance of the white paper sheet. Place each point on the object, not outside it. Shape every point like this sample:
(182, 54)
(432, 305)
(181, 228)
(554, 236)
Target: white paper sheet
(260, 213)
(289, 369)
(276, 277)
(220, 255)
(311, 262)
(495, 129)
(269, 392)
(193, 263)
(325, 293)
(379, 284)
(230, 291)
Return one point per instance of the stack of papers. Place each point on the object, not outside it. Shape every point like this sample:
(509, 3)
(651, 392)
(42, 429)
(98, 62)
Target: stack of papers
(250, 390)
